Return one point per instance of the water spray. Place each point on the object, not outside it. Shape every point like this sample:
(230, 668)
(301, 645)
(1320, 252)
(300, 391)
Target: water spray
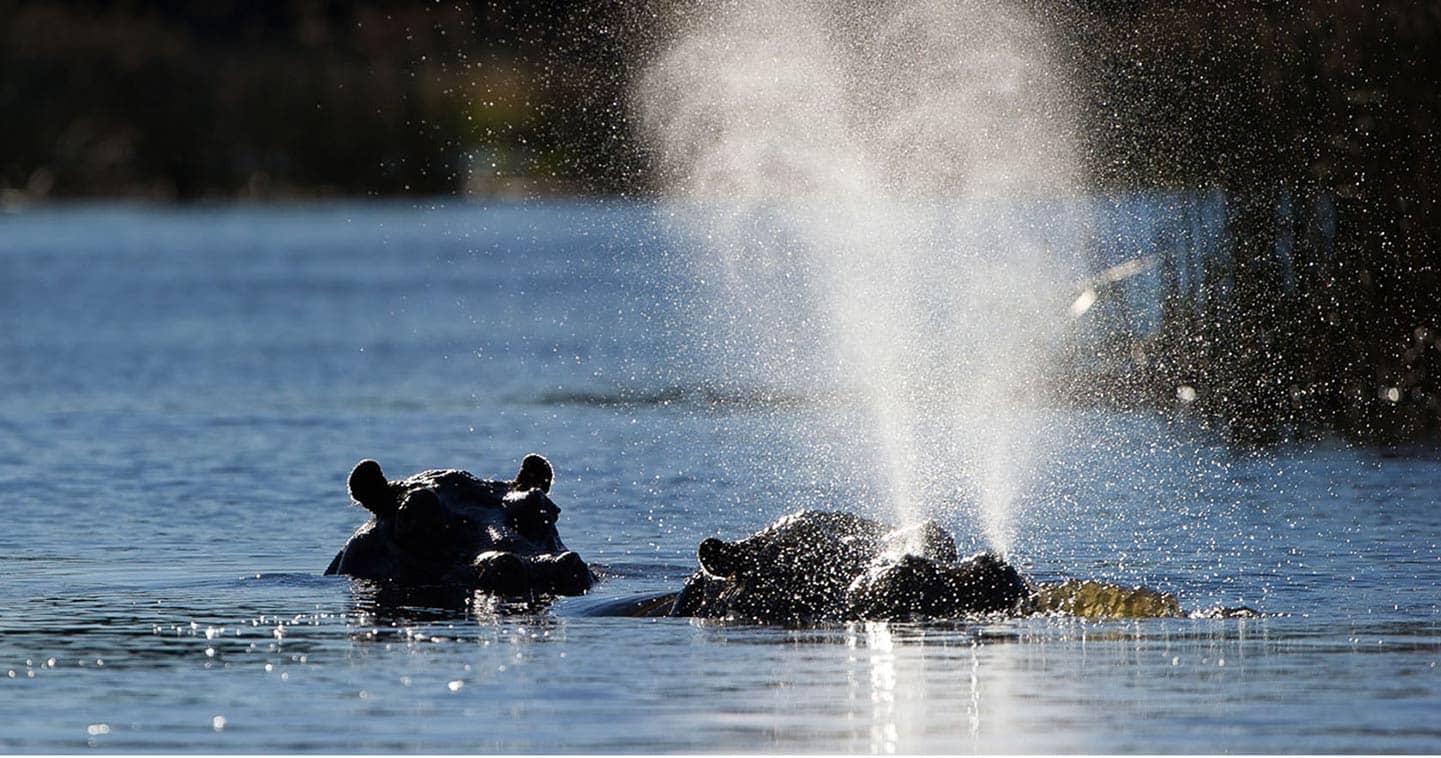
(882, 190)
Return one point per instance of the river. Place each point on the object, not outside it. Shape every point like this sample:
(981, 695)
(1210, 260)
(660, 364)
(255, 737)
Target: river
(183, 391)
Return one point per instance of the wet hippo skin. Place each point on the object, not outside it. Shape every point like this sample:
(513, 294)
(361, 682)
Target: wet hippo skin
(449, 528)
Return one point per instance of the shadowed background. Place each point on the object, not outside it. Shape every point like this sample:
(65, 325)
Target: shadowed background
(1314, 123)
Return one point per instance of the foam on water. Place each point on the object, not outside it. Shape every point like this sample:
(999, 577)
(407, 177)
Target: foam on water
(881, 191)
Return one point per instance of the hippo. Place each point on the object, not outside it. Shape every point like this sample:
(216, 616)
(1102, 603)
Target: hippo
(449, 529)
(815, 566)
(438, 537)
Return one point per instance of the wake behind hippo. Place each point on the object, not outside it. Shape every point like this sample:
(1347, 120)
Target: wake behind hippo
(447, 528)
(818, 566)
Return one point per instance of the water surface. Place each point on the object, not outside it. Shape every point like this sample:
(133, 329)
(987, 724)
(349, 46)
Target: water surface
(183, 392)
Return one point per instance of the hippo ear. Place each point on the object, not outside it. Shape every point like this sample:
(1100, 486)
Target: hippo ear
(368, 486)
(720, 558)
(535, 473)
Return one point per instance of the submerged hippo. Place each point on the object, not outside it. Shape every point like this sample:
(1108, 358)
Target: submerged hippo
(816, 566)
(448, 528)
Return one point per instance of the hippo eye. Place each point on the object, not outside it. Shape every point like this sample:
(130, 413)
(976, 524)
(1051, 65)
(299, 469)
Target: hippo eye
(419, 513)
(421, 499)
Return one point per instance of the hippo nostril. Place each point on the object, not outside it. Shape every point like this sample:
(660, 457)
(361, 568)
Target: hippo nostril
(501, 573)
(563, 574)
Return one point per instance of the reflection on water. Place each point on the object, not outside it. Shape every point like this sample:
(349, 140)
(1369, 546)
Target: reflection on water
(390, 604)
(884, 730)
(313, 651)
(932, 688)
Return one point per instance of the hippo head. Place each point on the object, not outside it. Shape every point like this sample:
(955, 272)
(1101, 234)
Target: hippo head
(447, 528)
(774, 583)
(913, 586)
(793, 571)
(816, 565)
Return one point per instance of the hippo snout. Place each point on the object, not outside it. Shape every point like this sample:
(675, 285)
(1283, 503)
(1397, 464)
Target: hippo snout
(511, 575)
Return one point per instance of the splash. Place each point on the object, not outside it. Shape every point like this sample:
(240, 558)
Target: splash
(880, 189)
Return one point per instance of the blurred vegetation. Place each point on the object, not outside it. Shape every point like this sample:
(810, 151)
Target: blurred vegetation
(1317, 121)
(174, 99)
